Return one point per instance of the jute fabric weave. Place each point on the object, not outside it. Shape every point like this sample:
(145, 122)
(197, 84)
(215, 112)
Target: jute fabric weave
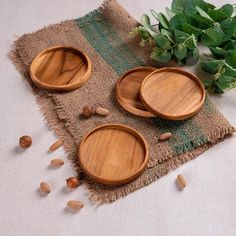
(103, 35)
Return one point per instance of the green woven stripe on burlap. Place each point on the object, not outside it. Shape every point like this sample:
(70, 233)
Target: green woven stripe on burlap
(103, 35)
(108, 44)
(187, 135)
(104, 39)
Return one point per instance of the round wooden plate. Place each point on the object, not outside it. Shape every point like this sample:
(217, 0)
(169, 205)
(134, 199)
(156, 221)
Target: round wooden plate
(113, 154)
(128, 88)
(172, 93)
(60, 69)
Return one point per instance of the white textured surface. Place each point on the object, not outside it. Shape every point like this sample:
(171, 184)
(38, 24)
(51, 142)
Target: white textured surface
(206, 207)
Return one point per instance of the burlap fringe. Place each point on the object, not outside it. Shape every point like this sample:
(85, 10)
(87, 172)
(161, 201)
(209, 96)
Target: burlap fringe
(159, 171)
(56, 114)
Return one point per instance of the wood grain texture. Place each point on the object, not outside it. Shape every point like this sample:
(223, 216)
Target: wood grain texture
(128, 88)
(113, 154)
(172, 93)
(60, 69)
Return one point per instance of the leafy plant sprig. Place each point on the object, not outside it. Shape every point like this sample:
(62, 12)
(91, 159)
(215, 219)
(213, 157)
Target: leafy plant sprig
(185, 24)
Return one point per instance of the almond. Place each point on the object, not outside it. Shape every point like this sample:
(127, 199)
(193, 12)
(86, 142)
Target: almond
(56, 163)
(180, 182)
(102, 111)
(55, 145)
(165, 136)
(75, 205)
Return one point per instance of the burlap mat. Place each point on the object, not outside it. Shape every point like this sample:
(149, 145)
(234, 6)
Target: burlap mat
(103, 35)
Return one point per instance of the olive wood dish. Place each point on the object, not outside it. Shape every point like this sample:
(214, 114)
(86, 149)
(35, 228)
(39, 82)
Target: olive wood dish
(128, 88)
(60, 69)
(172, 93)
(113, 154)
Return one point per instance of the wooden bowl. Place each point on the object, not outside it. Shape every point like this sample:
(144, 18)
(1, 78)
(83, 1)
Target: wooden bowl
(128, 88)
(60, 69)
(113, 154)
(172, 93)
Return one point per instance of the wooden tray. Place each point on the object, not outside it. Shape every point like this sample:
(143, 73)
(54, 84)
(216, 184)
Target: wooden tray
(127, 91)
(172, 93)
(113, 154)
(60, 69)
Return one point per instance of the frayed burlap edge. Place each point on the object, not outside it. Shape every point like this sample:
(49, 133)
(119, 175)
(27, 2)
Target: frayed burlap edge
(157, 171)
(52, 111)
(54, 114)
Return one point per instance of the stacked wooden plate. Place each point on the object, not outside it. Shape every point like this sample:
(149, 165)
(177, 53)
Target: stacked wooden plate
(115, 154)
(171, 93)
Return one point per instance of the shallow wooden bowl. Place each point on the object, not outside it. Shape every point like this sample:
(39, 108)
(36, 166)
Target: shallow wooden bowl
(172, 93)
(60, 69)
(128, 88)
(113, 154)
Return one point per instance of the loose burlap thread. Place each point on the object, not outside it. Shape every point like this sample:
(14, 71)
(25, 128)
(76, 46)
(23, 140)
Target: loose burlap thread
(103, 35)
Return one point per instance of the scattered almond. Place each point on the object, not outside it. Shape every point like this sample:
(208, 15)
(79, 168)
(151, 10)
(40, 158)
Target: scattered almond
(180, 182)
(75, 205)
(72, 182)
(55, 145)
(102, 111)
(165, 136)
(88, 111)
(25, 141)
(44, 188)
(56, 163)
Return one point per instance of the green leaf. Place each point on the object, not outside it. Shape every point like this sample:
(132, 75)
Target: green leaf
(230, 45)
(228, 27)
(160, 55)
(203, 5)
(166, 33)
(218, 52)
(180, 51)
(164, 22)
(177, 21)
(190, 8)
(190, 43)
(226, 82)
(196, 54)
(177, 6)
(216, 88)
(230, 59)
(221, 14)
(170, 13)
(210, 6)
(211, 67)
(234, 26)
(181, 62)
(163, 42)
(203, 13)
(201, 22)
(161, 18)
(143, 33)
(180, 36)
(145, 20)
(228, 10)
(229, 72)
(189, 29)
(212, 37)
(149, 30)
(207, 83)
